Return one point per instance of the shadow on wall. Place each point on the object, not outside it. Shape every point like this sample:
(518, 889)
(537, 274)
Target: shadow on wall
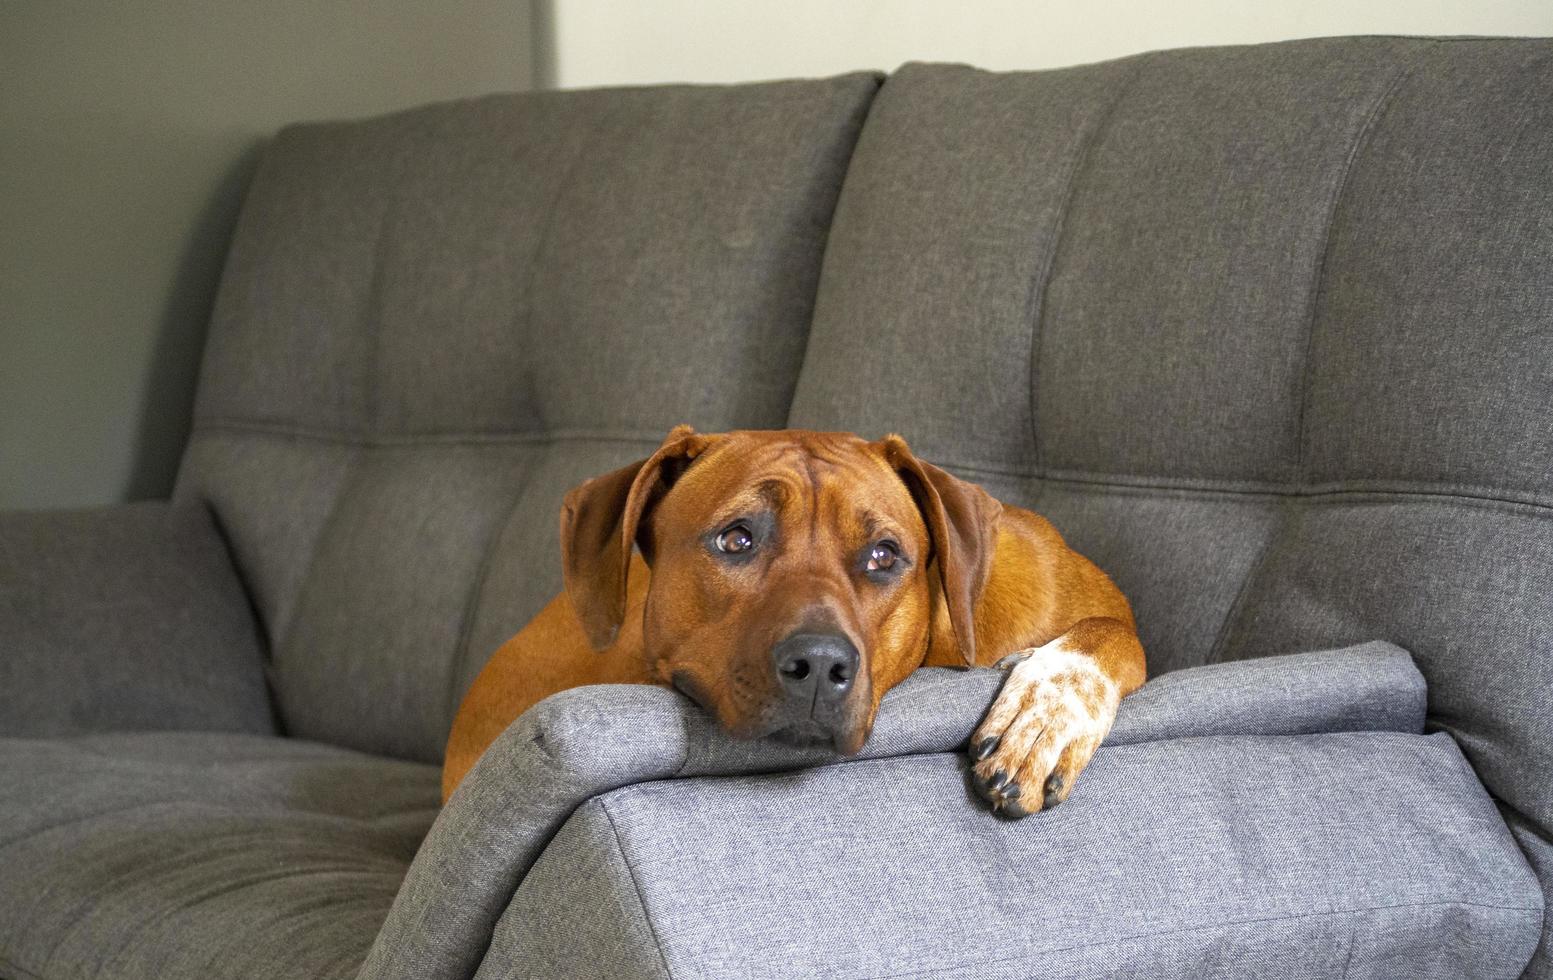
(163, 427)
(542, 40)
(162, 430)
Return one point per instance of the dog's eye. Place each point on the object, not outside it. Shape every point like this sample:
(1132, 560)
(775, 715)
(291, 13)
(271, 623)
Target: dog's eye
(735, 539)
(883, 556)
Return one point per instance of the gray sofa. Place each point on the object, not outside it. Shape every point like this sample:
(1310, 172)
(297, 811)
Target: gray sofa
(1267, 332)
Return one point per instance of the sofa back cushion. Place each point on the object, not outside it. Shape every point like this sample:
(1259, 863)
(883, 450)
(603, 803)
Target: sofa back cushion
(1267, 332)
(431, 324)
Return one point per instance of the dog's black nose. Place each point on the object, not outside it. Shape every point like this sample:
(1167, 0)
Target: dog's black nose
(816, 671)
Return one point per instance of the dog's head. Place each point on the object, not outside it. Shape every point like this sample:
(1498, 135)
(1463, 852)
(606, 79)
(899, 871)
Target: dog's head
(796, 576)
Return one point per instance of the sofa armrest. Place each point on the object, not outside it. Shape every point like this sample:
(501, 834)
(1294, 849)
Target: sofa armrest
(588, 742)
(127, 617)
(1355, 854)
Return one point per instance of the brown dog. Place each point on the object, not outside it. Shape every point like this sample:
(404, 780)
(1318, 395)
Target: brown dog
(787, 579)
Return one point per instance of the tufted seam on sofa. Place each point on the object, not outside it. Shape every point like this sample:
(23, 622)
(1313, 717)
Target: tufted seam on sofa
(456, 666)
(1318, 281)
(372, 310)
(8, 968)
(1118, 482)
(472, 602)
(281, 430)
(1035, 301)
(850, 152)
(282, 638)
(1232, 612)
(1337, 491)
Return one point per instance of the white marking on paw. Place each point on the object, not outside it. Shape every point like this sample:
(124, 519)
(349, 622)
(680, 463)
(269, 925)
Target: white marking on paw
(1055, 697)
(1059, 683)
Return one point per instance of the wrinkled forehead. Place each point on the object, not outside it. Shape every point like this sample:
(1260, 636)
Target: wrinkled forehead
(836, 478)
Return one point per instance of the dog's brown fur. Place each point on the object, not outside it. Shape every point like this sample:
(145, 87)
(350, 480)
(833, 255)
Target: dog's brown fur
(981, 581)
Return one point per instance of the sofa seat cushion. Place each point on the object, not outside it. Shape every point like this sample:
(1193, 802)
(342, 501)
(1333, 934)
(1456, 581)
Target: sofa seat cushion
(174, 855)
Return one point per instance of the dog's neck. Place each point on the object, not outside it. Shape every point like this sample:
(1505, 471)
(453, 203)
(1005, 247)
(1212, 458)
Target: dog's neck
(1018, 607)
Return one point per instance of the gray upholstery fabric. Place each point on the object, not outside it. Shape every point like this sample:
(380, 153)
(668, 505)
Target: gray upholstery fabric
(195, 855)
(1475, 615)
(1267, 332)
(1204, 839)
(126, 617)
(1539, 853)
(1374, 855)
(433, 323)
(584, 872)
(582, 743)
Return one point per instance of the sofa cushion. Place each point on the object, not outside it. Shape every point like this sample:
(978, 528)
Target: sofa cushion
(127, 617)
(433, 323)
(184, 855)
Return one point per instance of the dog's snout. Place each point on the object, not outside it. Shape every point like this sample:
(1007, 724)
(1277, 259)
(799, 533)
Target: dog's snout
(815, 669)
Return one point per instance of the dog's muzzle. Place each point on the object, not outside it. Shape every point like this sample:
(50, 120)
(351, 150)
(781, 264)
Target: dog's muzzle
(815, 673)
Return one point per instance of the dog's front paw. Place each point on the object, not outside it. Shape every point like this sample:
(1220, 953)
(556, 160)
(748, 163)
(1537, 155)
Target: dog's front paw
(1052, 713)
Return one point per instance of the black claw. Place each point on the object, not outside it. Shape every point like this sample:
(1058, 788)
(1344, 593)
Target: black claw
(986, 747)
(1053, 792)
(1013, 810)
(997, 781)
(1011, 791)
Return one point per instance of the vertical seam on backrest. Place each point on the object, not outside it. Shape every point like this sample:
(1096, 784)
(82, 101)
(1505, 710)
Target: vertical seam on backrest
(1035, 302)
(641, 902)
(283, 642)
(371, 320)
(373, 315)
(547, 233)
(1216, 651)
(863, 112)
(453, 695)
(1283, 506)
(1318, 280)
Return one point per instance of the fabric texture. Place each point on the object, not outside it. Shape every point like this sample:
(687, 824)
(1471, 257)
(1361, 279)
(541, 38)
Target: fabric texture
(1251, 845)
(127, 617)
(197, 855)
(579, 744)
(1264, 331)
(1357, 855)
(1539, 852)
(584, 872)
(434, 323)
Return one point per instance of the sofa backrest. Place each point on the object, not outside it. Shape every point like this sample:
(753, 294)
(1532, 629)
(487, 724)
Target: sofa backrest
(433, 323)
(1267, 332)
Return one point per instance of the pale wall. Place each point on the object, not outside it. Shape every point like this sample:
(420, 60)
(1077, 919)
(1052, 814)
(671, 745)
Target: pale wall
(606, 42)
(127, 130)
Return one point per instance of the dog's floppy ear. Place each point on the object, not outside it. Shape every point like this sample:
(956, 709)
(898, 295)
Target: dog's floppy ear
(962, 519)
(599, 522)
